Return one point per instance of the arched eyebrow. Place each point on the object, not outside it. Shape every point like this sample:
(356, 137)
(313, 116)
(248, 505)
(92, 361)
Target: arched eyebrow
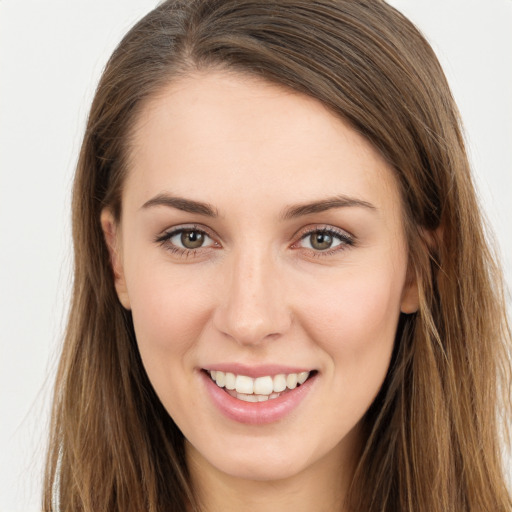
(323, 205)
(290, 212)
(180, 203)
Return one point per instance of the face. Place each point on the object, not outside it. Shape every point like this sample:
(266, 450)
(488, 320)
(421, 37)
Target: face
(262, 254)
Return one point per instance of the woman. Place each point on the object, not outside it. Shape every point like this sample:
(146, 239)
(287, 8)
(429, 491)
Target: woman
(283, 296)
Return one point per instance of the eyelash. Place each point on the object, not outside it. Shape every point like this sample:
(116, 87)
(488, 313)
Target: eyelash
(165, 241)
(346, 240)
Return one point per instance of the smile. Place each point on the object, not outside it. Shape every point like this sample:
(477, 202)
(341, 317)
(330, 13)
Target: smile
(257, 395)
(258, 389)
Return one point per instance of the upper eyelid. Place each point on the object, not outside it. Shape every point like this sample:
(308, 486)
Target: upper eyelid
(169, 232)
(307, 230)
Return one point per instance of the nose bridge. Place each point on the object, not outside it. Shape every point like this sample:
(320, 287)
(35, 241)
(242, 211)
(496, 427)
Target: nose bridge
(253, 307)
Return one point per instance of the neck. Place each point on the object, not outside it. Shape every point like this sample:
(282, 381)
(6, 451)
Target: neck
(320, 487)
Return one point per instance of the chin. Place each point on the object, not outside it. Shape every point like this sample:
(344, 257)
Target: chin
(248, 462)
(265, 458)
(259, 470)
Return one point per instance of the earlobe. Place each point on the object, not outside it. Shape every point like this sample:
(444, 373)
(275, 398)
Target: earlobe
(112, 239)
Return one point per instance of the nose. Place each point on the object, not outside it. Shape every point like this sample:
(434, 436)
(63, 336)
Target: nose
(253, 306)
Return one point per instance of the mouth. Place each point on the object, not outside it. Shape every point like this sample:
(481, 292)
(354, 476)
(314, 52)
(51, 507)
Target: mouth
(259, 389)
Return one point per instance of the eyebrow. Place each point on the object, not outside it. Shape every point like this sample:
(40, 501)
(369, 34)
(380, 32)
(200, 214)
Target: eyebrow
(291, 212)
(323, 205)
(180, 203)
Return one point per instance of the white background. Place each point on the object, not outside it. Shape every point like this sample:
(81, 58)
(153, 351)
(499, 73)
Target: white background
(51, 55)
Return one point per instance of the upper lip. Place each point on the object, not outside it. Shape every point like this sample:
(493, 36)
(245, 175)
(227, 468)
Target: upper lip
(254, 371)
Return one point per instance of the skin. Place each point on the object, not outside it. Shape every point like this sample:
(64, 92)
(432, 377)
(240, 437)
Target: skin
(257, 291)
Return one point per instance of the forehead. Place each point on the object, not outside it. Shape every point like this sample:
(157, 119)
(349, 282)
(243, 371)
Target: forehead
(213, 134)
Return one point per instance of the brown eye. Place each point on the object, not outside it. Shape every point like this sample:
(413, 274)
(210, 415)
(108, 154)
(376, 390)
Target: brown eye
(192, 239)
(186, 241)
(320, 240)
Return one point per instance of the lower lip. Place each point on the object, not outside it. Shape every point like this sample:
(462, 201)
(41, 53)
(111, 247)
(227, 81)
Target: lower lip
(257, 413)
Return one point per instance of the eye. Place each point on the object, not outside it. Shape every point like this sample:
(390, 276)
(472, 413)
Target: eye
(325, 240)
(182, 240)
(190, 239)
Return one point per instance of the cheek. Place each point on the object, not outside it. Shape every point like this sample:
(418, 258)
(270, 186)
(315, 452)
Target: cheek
(356, 328)
(355, 324)
(169, 313)
(356, 307)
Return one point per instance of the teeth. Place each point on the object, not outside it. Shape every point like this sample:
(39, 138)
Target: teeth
(247, 398)
(230, 381)
(220, 379)
(263, 385)
(302, 377)
(259, 389)
(244, 384)
(255, 398)
(291, 381)
(279, 383)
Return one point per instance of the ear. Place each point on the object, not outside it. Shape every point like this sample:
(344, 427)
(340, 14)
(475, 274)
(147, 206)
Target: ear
(112, 239)
(430, 241)
(410, 302)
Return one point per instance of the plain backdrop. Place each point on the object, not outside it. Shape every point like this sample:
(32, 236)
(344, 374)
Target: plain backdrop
(51, 56)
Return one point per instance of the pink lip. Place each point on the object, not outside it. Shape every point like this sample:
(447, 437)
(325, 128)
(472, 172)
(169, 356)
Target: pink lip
(257, 413)
(255, 371)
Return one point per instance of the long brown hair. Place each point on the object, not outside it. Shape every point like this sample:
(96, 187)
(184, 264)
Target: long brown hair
(433, 433)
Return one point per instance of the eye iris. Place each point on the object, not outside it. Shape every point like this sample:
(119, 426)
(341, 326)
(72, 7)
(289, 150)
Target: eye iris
(321, 241)
(192, 239)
